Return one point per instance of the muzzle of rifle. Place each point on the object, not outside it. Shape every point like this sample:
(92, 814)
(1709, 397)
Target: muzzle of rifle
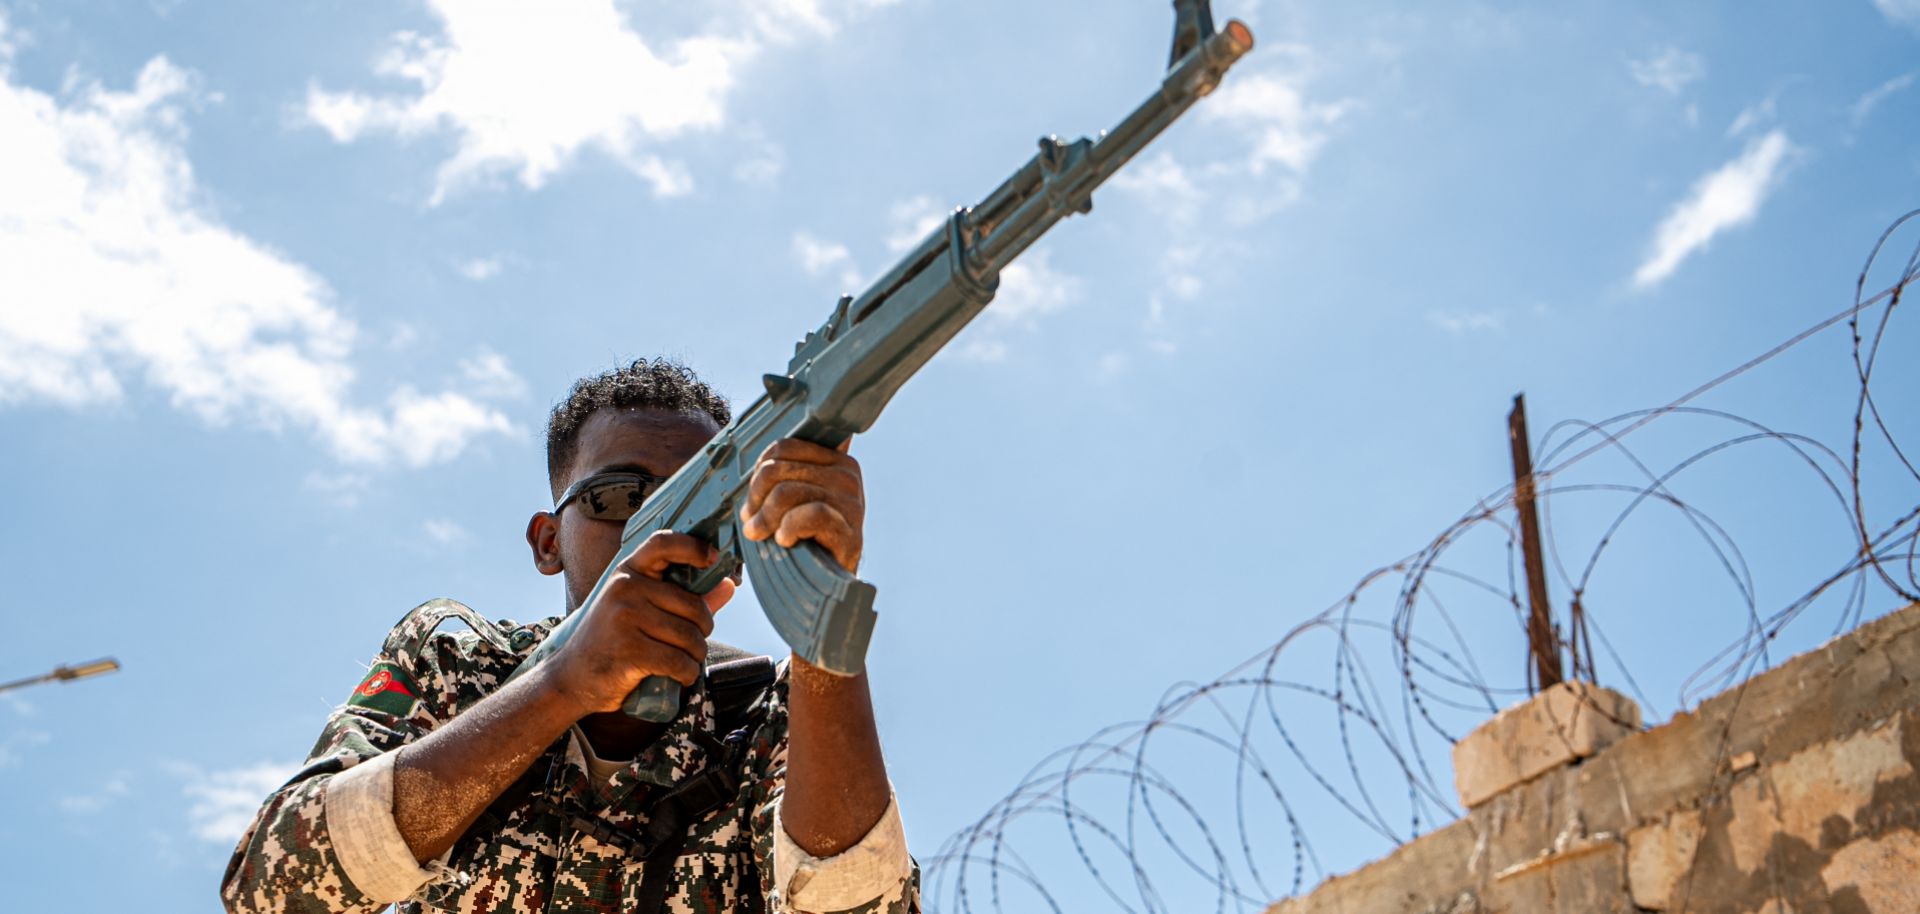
(1219, 52)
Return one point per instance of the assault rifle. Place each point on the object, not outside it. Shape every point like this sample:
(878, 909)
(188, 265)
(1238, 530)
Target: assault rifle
(842, 375)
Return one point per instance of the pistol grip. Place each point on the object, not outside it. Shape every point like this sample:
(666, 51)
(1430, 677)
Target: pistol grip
(657, 699)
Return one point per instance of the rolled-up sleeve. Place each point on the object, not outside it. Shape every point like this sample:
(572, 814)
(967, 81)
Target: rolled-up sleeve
(873, 875)
(877, 875)
(287, 861)
(373, 855)
(326, 842)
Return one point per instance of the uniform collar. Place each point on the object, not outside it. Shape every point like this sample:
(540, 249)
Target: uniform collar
(677, 753)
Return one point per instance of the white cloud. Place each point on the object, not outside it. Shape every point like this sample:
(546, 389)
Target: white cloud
(479, 269)
(988, 350)
(444, 532)
(1165, 184)
(1272, 129)
(116, 275)
(1863, 107)
(12, 38)
(1031, 288)
(763, 166)
(224, 801)
(527, 87)
(1180, 195)
(1185, 285)
(402, 335)
(486, 374)
(341, 489)
(1904, 12)
(1760, 113)
(1182, 278)
(114, 788)
(1728, 197)
(1669, 71)
(1180, 282)
(17, 742)
(1288, 129)
(1459, 322)
(819, 257)
(426, 428)
(669, 179)
(912, 220)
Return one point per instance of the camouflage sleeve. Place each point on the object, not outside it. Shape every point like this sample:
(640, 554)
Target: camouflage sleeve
(875, 876)
(288, 861)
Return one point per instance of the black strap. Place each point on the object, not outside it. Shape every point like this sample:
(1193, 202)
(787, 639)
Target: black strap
(666, 832)
(332, 764)
(738, 686)
(738, 689)
(652, 895)
(719, 652)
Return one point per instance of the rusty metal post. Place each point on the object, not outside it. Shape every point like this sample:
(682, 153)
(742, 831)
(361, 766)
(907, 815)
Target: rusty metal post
(1543, 642)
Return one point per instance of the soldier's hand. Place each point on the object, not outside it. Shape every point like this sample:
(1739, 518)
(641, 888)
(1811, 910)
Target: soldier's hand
(641, 625)
(802, 491)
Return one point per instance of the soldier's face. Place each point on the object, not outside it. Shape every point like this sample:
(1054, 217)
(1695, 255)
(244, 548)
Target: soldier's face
(623, 440)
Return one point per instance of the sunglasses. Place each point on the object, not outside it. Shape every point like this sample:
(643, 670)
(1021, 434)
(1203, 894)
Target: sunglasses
(610, 496)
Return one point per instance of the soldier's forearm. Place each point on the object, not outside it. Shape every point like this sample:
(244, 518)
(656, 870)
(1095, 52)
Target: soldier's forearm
(836, 786)
(443, 782)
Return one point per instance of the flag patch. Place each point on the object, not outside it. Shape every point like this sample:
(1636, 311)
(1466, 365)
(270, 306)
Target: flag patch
(387, 689)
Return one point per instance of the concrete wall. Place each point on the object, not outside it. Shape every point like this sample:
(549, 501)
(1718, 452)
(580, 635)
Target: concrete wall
(1798, 793)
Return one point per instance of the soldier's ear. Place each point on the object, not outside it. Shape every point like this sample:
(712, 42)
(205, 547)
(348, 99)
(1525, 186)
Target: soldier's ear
(543, 536)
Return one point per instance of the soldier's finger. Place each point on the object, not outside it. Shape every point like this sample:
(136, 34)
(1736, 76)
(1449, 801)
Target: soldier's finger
(801, 451)
(676, 600)
(671, 662)
(667, 628)
(665, 549)
(783, 498)
(818, 521)
(771, 473)
(719, 595)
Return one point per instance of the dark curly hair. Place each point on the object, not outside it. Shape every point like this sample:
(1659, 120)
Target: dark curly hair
(659, 383)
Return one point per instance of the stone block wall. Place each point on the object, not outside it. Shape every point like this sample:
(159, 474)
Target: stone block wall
(1795, 793)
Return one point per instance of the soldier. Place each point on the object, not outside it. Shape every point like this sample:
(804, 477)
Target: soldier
(443, 787)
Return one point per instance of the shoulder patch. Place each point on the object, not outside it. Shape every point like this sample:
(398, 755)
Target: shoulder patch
(388, 689)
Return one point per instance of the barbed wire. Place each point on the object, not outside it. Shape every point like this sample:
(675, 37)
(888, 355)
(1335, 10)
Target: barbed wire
(1229, 789)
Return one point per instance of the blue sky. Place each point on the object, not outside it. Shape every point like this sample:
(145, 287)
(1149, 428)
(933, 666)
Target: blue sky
(288, 288)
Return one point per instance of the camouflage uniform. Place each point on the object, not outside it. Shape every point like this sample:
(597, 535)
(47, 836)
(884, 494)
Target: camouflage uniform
(569, 844)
